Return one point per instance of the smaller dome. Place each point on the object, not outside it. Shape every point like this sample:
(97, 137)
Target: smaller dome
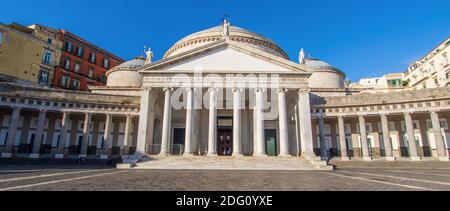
(136, 63)
(325, 75)
(318, 64)
(126, 74)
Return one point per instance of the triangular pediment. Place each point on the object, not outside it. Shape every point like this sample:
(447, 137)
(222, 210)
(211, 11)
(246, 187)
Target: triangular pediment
(227, 57)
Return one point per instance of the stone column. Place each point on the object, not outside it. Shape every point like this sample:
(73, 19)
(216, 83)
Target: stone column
(127, 142)
(86, 132)
(437, 130)
(95, 132)
(107, 141)
(260, 137)
(166, 122)
(411, 138)
(364, 143)
(12, 133)
(306, 136)
(51, 133)
(323, 144)
(212, 135)
(189, 123)
(386, 138)
(342, 138)
(63, 135)
(39, 132)
(283, 121)
(146, 123)
(237, 132)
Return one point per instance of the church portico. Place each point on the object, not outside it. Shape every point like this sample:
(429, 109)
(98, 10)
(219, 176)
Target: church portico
(227, 130)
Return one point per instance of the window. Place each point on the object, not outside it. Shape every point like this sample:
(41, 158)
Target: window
(80, 52)
(77, 67)
(92, 58)
(394, 83)
(65, 81)
(1, 37)
(432, 67)
(67, 64)
(49, 40)
(69, 47)
(91, 72)
(436, 82)
(443, 123)
(106, 63)
(47, 58)
(444, 58)
(43, 77)
(75, 84)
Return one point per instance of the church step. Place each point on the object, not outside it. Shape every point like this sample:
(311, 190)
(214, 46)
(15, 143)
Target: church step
(231, 163)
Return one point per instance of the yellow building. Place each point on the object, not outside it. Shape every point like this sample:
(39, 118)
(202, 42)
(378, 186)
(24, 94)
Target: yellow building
(29, 54)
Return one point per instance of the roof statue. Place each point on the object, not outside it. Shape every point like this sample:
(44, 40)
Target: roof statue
(149, 54)
(302, 58)
(226, 28)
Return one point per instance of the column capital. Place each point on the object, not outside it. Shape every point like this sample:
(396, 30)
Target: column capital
(262, 90)
(146, 89)
(189, 89)
(238, 89)
(362, 115)
(384, 114)
(340, 116)
(16, 108)
(434, 111)
(304, 90)
(212, 89)
(42, 110)
(320, 115)
(167, 89)
(407, 113)
(282, 90)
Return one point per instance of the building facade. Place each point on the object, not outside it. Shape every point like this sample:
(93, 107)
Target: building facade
(82, 64)
(225, 91)
(431, 71)
(29, 54)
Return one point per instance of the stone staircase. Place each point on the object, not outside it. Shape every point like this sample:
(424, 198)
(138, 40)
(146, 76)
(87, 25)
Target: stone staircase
(232, 163)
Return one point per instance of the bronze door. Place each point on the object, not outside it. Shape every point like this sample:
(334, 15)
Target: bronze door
(225, 142)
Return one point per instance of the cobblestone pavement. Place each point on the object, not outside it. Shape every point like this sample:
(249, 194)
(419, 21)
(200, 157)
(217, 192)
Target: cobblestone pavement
(19, 178)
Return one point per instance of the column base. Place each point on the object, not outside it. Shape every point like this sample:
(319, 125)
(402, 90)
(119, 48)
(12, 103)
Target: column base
(367, 159)
(82, 156)
(188, 155)
(285, 156)
(212, 155)
(238, 155)
(59, 156)
(104, 157)
(34, 156)
(444, 158)
(260, 155)
(345, 158)
(6, 155)
(390, 159)
(415, 158)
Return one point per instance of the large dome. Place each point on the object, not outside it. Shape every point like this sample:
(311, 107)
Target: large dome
(214, 34)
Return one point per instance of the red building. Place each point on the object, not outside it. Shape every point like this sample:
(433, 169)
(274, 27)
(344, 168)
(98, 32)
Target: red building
(82, 64)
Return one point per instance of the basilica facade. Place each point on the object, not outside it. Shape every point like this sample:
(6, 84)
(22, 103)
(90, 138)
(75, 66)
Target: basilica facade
(224, 91)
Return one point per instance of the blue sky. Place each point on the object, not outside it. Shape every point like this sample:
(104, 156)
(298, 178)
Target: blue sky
(364, 38)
